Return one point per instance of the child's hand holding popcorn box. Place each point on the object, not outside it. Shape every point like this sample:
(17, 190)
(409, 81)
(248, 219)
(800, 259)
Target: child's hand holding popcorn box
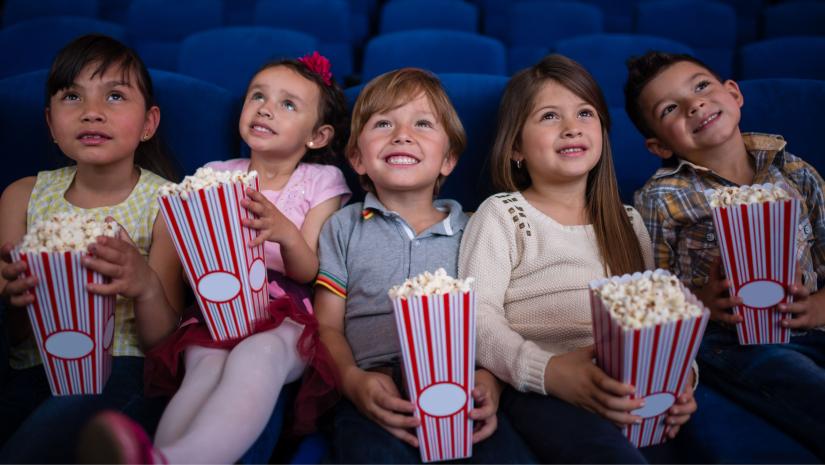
(73, 328)
(647, 328)
(756, 229)
(204, 217)
(435, 316)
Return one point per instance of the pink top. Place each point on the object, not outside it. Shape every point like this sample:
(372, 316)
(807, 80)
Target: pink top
(309, 185)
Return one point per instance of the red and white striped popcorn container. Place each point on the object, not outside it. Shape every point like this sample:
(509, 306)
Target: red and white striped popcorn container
(438, 335)
(655, 359)
(227, 276)
(758, 247)
(73, 328)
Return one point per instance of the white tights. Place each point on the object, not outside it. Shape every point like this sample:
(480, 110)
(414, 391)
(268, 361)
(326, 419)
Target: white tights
(227, 397)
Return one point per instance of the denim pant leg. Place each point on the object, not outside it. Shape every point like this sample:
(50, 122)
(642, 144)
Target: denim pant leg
(357, 439)
(49, 434)
(784, 383)
(504, 446)
(558, 432)
(23, 392)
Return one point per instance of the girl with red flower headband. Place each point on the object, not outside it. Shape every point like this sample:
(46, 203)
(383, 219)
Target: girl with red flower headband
(293, 119)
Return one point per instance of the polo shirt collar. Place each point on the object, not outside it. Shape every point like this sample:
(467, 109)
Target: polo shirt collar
(452, 224)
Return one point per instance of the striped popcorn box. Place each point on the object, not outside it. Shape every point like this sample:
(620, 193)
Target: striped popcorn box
(228, 277)
(73, 329)
(655, 358)
(758, 247)
(437, 335)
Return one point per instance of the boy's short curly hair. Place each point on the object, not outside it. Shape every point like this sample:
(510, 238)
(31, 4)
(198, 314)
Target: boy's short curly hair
(640, 71)
(392, 90)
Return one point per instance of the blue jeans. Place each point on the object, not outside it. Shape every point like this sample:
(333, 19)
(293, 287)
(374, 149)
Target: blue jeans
(784, 383)
(50, 432)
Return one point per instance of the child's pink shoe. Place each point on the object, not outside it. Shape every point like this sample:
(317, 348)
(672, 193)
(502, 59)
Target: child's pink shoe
(111, 437)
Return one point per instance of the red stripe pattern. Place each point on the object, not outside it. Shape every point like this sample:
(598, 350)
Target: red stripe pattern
(758, 244)
(73, 329)
(655, 359)
(228, 277)
(437, 335)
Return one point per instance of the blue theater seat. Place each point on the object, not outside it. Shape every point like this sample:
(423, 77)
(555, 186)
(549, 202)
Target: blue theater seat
(791, 108)
(328, 20)
(198, 120)
(534, 27)
(783, 57)
(806, 18)
(437, 50)
(33, 44)
(404, 15)
(16, 11)
(230, 56)
(714, 42)
(633, 162)
(157, 37)
(604, 55)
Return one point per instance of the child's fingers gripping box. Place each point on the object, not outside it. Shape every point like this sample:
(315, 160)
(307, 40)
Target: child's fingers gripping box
(204, 217)
(73, 328)
(756, 227)
(647, 329)
(435, 317)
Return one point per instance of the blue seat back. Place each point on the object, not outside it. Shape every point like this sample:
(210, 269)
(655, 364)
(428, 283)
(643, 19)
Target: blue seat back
(708, 27)
(605, 55)
(437, 50)
(16, 11)
(783, 57)
(806, 18)
(403, 15)
(791, 108)
(230, 56)
(32, 45)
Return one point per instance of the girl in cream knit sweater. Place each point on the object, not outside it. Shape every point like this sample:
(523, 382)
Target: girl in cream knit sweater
(533, 250)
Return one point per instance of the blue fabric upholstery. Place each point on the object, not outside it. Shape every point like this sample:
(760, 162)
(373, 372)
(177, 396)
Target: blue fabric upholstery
(27, 145)
(790, 107)
(534, 27)
(32, 45)
(618, 14)
(604, 55)
(16, 11)
(156, 37)
(230, 56)
(747, 16)
(714, 42)
(437, 50)
(199, 121)
(783, 57)
(633, 162)
(805, 18)
(328, 20)
(115, 11)
(405, 15)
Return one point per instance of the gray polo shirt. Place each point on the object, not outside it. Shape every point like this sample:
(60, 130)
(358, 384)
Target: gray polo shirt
(364, 250)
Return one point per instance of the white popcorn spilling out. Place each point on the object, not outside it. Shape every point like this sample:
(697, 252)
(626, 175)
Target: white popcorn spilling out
(728, 196)
(647, 301)
(430, 283)
(66, 232)
(205, 178)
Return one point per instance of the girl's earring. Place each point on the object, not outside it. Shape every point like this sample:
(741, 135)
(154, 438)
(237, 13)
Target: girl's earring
(54, 140)
(311, 144)
(518, 164)
(145, 137)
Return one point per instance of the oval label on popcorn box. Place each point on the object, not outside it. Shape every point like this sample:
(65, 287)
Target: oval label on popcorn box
(655, 404)
(69, 344)
(219, 286)
(761, 293)
(442, 399)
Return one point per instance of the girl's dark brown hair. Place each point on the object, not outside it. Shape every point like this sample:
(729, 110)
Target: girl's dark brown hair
(105, 52)
(332, 110)
(617, 241)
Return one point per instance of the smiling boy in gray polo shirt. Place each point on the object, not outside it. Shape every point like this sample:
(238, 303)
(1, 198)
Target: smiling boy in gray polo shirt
(405, 140)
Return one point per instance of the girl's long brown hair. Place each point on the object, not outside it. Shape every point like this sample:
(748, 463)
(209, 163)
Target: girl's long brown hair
(617, 241)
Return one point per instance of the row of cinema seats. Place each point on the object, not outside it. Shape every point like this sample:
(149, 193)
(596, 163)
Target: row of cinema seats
(168, 35)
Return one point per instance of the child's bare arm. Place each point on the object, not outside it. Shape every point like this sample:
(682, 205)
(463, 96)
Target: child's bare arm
(374, 394)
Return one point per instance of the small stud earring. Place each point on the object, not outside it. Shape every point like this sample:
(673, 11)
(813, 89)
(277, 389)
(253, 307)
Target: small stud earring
(311, 144)
(145, 137)
(518, 164)
(54, 140)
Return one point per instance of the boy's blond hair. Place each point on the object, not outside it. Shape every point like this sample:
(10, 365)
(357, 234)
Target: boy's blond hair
(392, 90)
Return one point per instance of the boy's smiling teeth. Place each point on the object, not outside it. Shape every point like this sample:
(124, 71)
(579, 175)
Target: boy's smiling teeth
(707, 120)
(401, 160)
(264, 129)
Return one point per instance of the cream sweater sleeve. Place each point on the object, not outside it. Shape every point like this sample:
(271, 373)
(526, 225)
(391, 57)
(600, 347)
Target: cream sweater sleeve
(489, 252)
(643, 235)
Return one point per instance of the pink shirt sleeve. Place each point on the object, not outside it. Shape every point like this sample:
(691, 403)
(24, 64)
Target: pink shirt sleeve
(327, 181)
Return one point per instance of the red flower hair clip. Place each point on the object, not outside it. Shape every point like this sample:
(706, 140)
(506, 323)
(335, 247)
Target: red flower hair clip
(319, 65)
